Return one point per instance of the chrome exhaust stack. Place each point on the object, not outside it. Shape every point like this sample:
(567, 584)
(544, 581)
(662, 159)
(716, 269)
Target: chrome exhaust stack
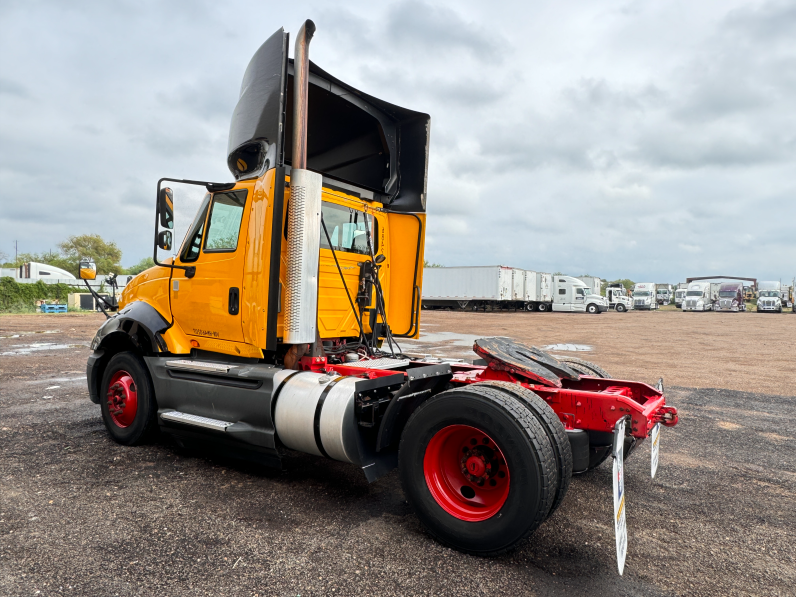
(304, 216)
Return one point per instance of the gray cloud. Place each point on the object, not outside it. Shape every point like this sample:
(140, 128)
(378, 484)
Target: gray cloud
(616, 138)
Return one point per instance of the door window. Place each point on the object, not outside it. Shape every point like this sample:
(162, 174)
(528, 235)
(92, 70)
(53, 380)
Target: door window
(223, 225)
(347, 230)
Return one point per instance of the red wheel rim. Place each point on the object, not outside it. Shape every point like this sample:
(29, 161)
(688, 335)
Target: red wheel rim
(122, 399)
(466, 473)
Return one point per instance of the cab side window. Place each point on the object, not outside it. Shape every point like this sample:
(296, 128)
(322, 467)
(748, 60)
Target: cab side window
(347, 229)
(579, 291)
(223, 225)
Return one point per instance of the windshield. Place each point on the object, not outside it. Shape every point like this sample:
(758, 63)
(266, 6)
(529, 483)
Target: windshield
(694, 293)
(771, 293)
(587, 291)
(641, 293)
(728, 293)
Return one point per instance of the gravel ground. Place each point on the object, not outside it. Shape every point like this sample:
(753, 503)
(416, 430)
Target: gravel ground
(81, 515)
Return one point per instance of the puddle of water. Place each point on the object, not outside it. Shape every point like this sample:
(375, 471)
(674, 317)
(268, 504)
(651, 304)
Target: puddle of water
(454, 339)
(57, 379)
(568, 347)
(26, 349)
(20, 334)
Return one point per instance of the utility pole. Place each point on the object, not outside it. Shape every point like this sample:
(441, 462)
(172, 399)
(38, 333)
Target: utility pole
(16, 251)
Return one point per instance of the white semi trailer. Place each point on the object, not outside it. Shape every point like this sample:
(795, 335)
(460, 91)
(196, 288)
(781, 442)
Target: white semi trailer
(644, 296)
(538, 295)
(467, 287)
(501, 287)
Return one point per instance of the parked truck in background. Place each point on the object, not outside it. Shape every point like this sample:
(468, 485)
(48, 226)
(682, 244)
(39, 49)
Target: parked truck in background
(769, 297)
(664, 294)
(644, 296)
(679, 294)
(786, 293)
(698, 297)
(617, 297)
(468, 287)
(573, 295)
(731, 297)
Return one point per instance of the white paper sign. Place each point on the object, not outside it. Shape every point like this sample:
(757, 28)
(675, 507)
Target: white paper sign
(655, 436)
(620, 527)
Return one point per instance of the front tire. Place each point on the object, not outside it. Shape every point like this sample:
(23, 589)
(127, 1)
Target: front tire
(478, 469)
(127, 400)
(620, 308)
(592, 308)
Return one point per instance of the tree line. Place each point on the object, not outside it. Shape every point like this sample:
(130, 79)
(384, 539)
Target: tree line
(106, 254)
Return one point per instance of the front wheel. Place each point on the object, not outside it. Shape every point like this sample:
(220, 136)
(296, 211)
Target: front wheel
(620, 308)
(592, 308)
(478, 469)
(127, 400)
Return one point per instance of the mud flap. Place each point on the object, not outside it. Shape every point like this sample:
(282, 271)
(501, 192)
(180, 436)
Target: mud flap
(620, 525)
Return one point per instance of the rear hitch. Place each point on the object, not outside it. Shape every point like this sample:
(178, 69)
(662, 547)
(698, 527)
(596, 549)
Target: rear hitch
(666, 415)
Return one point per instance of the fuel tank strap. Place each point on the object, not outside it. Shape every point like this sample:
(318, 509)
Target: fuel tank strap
(318, 409)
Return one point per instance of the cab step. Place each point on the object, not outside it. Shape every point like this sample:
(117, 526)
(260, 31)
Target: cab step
(195, 420)
(199, 366)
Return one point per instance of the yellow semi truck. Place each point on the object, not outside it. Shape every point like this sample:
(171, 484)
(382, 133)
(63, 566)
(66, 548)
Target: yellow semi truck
(274, 326)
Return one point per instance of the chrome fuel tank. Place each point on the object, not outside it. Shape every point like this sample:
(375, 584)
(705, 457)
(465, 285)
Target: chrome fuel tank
(314, 414)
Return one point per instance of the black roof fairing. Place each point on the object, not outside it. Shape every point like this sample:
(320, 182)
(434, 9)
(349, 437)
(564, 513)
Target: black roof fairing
(352, 137)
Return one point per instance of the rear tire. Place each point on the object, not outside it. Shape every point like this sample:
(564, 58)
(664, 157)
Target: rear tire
(584, 367)
(127, 400)
(542, 307)
(471, 513)
(556, 433)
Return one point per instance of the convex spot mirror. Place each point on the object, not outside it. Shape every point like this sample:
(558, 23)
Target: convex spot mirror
(164, 240)
(166, 209)
(88, 269)
(380, 259)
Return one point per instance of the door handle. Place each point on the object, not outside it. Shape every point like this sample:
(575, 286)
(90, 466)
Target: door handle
(234, 301)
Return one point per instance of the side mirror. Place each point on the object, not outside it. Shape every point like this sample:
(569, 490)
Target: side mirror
(166, 208)
(380, 259)
(88, 269)
(164, 240)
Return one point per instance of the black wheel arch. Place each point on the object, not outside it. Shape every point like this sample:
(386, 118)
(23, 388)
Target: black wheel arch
(136, 328)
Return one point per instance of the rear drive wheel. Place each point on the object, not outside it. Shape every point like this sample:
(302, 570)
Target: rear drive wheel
(592, 308)
(556, 433)
(127, 400)
(584, 367)
(620, 308)
(478, 469)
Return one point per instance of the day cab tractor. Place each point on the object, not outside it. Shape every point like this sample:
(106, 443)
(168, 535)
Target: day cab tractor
(274, 327)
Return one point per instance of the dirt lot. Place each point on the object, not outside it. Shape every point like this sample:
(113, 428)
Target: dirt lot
(80, 515)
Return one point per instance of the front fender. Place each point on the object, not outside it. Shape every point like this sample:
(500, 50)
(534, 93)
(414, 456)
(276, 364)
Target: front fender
(137, 327)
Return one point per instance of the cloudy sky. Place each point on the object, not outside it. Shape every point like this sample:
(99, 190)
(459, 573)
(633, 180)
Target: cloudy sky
(647, 140)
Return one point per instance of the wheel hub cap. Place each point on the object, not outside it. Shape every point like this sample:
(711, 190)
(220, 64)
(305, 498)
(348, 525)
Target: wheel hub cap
(466, 473)
(122, 399)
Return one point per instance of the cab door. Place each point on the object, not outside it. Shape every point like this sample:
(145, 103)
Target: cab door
(207, 305)
(579, 300)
